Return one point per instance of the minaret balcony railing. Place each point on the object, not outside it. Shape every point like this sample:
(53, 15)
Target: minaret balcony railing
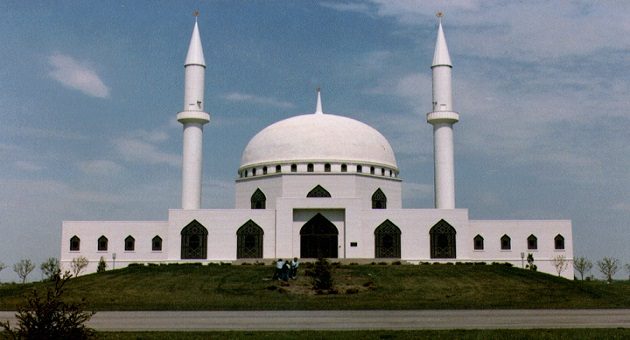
(437, 117)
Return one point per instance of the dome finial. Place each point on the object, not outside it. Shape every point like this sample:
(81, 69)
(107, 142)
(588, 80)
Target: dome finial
(318, 109)
(196, 14)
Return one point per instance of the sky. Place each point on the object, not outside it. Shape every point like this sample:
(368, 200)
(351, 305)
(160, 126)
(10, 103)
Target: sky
(89, 91)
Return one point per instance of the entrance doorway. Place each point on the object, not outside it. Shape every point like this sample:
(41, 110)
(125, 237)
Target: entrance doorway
(319, 238)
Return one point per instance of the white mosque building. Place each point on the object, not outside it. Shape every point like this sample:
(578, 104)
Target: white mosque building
(318, 185)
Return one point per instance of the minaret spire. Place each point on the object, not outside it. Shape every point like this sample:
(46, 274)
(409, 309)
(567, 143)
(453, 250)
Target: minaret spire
(193, 118)
(318, 108)
(442, 118)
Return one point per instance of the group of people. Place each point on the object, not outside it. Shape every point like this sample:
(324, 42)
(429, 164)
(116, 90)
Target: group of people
(286, 269)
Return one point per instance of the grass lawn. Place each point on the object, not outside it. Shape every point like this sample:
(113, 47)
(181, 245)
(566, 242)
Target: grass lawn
(249, 287)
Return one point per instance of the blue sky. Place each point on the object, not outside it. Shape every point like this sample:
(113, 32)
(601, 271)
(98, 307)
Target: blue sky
(89, 92)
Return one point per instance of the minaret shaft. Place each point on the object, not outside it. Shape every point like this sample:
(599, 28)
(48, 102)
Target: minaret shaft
(442, 118)
(193, 118)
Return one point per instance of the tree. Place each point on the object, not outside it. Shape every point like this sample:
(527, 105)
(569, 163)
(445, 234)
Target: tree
(102, 266)
(23, 268)
(49, 317)
(628, 270)
(78, 264)
(582, 265)
(609, 267)
(50, 269)
(561, 263)
(530, 262)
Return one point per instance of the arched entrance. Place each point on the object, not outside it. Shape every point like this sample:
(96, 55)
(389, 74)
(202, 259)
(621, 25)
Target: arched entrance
(319, 238)
(443, 241)
(194, 241)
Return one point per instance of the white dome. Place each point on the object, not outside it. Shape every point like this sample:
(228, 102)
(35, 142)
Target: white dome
(319, 137)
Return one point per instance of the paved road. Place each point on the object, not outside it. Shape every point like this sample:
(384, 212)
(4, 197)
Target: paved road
(346, 320)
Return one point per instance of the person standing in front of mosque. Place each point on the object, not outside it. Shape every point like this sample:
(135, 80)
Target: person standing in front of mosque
(294, 267)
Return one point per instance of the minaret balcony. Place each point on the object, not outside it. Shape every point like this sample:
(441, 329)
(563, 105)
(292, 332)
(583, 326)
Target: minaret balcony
(199, 117)
(438, 117)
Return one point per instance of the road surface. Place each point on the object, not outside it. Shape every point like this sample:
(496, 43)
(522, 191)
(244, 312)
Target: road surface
(354, 320)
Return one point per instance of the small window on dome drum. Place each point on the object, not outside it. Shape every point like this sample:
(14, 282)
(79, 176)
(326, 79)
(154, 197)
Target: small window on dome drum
(382, 171)
(359, 168)
(310, 167)
(278, 168)
(327, 167)
(344, 168)
(264, 170)
(254, 172)
(293, 167)
(372, 170)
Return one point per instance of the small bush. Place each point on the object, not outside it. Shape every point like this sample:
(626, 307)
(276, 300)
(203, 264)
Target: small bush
(382, 263)
(322, 275)
(396, 263)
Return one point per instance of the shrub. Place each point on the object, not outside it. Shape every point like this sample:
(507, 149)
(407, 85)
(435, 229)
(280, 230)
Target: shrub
(322, 275)
(49, 317)
(101, 265)
(50, 269)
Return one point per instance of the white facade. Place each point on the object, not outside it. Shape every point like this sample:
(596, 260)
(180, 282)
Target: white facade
(318, 185)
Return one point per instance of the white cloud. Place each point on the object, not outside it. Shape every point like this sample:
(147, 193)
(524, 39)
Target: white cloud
(137, 150)
(100, 167)
(77, 75)
(243, 97)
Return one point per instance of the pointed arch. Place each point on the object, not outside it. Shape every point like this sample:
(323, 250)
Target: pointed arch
(442, 237)
(194, 241)
(558, 242)
(258, 200)
(130, 243)
(506, 242)
(75, 243)
(478, 242)
(249, 241)
(387, 240)
(319, 238)
(318, 191)
(379, 200)
(156, 243)
(532, 242)
(102, 243)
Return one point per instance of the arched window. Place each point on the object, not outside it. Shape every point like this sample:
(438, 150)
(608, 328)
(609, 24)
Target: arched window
(310, 167)
(387, 241)
(75, 243)
(382, 171)
(379, 200)
(344, 167)
(254, 172)
(258, 200)
(156, 243)
(532, 242)
(372, 170)
(264, 170)
(442, 241)
(478, 242)
(130, 243)
(327, 167)
(318, 191)
(278, 168)
(359, 168)
(558, 242)
(102, 243)
(194, 241)
(293, 167)
(249, 241)
(506, 242)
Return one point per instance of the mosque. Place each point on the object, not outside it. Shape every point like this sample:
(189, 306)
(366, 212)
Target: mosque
(318, 185)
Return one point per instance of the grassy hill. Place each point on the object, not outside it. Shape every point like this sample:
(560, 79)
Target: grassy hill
(249, 287)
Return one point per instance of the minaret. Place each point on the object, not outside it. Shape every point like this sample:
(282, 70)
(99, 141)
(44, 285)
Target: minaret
(193, 118)
(442, 118)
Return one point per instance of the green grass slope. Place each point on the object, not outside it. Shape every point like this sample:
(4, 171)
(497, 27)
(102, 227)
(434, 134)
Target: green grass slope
(226, 287)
